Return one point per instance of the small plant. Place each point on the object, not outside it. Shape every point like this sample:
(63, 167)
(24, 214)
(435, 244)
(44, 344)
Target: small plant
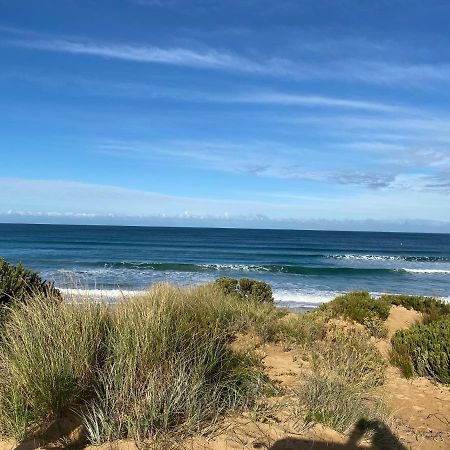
(358, 306)
(228, 285)
(18, 283)
(376, 327)
(246, 288)
(424, 350)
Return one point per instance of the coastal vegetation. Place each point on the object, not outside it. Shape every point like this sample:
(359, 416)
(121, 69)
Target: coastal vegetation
(20, 284)
(246, 289)
(424, 350)
(169, 362)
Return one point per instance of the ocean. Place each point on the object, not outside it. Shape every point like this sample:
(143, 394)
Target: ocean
(304, 268)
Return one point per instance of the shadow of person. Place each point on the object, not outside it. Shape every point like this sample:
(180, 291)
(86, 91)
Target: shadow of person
(381, 438)
(303, 444)
(381, 435)
(57, 432)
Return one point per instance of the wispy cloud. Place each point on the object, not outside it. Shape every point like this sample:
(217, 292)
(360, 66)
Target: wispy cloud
(295, 66)
(178, 56)
(405, 169)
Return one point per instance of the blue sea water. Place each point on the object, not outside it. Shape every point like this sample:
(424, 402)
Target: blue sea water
(303, 267)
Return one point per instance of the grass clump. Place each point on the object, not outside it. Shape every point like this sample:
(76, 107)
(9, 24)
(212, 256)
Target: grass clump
(349, 357)
(424, 350)
(346, 370)
(246, 289)
(166, 368)
(48, 359)
(337, 405)
(302, 329)
(153, 365)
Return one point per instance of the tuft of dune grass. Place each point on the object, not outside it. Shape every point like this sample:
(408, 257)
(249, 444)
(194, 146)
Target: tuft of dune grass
(148, 366)
(48, 360)
(347, 369)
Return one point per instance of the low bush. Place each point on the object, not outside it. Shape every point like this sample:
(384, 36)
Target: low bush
(433, 308)
(424, 350)
(18, 283)
(246, 288)
(358, 306)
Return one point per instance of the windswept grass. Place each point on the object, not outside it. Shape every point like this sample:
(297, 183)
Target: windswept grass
(150, 365)
(48, 360)
(169, 365)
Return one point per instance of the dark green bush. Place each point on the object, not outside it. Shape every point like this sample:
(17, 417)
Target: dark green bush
(358, 306)
(246, 288)
(432, 307)
(18, 283)
(227, 285)
(424, 350)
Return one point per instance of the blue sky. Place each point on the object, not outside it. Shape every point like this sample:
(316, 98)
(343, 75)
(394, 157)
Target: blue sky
(298, 114)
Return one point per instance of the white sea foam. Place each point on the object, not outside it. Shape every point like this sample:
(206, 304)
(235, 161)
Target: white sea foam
(99, 294)
(367, 257)
(236, 267)
(311, 298)
(430, 271)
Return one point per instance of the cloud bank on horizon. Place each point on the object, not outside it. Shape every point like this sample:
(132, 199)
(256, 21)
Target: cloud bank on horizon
(329, 114)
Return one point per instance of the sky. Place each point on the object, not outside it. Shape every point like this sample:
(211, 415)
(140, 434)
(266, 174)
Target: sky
(330, 114)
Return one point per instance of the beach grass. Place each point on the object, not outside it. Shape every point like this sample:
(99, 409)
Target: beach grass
(158, 362)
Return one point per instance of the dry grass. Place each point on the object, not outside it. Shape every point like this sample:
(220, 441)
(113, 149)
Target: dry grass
(347, 368)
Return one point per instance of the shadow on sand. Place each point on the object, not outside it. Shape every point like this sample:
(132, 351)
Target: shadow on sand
(381, 438)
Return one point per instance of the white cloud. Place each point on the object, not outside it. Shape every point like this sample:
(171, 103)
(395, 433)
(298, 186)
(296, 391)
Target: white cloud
(55, 199)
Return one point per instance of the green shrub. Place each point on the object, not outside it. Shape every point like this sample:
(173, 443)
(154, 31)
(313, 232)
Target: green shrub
(433, 308)
(229, 286)
(246, 288)
(18, 283)
(424, 350)
(358, 306)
